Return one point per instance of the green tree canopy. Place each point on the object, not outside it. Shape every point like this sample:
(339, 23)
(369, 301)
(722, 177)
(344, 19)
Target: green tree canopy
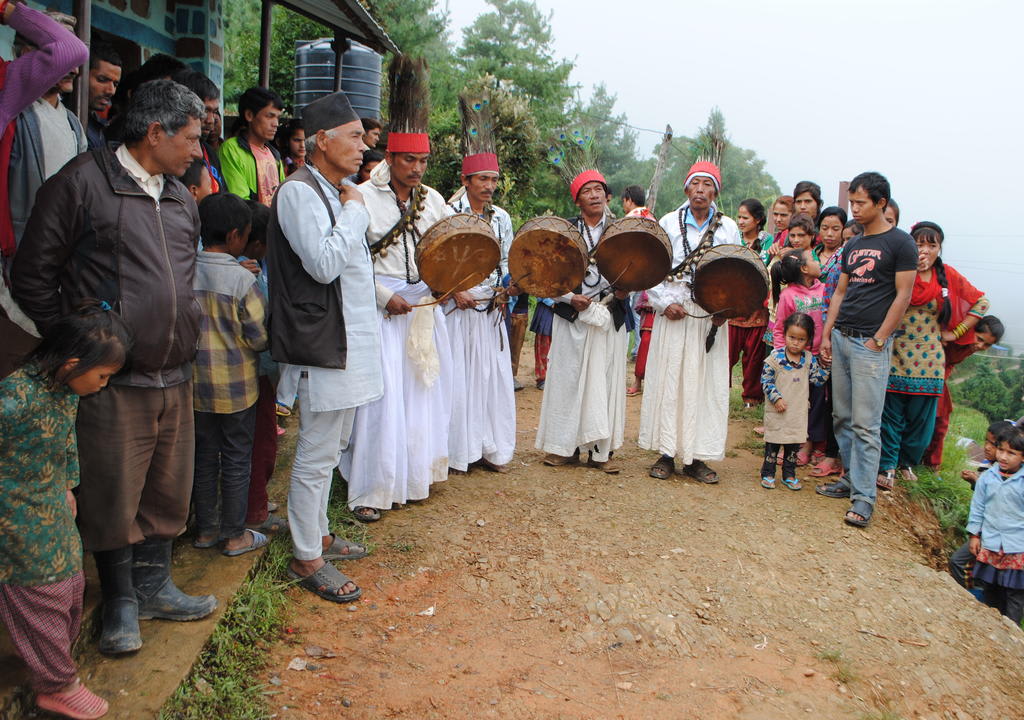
(512, 43)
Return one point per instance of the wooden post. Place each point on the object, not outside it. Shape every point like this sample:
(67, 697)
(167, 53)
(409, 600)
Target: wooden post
(266, 20)
(340, 45)
(83, 28)
(844, 195)
(659, 169)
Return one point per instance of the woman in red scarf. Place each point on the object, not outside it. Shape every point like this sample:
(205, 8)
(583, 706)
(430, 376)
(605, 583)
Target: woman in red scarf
(944, 308)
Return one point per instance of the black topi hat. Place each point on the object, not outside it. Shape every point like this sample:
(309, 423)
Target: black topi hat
(327, 113)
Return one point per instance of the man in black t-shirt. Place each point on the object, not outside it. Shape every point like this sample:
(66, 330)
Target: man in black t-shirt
(874, 290)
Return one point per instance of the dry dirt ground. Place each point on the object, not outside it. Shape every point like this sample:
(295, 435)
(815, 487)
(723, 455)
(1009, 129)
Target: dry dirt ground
(566, 593)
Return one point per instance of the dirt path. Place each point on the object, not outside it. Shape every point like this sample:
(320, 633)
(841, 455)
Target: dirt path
(564, 593)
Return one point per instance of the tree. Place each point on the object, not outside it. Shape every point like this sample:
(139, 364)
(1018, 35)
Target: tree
(517, 141)
(242, 48)
(743, 173)
(511, 43)
(985, 392)
(615, 144)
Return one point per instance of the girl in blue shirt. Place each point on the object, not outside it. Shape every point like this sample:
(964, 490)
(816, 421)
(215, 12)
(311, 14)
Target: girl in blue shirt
(996, 527)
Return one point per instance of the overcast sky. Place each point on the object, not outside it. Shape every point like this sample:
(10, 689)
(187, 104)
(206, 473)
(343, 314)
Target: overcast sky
(928, 92)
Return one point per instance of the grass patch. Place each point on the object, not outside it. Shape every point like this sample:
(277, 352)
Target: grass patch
(944, 490)
(842, 669)
(223, 682)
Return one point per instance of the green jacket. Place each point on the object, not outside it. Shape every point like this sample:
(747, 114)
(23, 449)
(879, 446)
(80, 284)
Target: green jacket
(239, 167)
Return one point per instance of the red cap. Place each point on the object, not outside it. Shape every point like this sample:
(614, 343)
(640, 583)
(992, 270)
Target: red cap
(481, 162)
(587, 176)
(705, 169)
(408, 142)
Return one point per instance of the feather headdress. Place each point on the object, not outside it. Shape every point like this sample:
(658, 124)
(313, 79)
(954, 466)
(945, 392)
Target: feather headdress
(408, 105)
(573, 154)
(478, 147)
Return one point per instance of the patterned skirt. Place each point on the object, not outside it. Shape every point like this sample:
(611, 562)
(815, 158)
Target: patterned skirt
(1003, 569)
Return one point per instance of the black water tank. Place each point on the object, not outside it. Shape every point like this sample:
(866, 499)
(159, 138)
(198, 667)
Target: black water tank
(360, 76)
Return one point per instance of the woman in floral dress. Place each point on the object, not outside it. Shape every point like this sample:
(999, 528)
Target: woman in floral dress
(917, 373)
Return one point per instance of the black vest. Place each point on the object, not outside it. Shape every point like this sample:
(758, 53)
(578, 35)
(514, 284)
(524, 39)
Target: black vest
(305, 321)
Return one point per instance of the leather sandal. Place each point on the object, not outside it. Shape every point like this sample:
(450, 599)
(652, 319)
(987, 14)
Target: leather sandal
(607, 466)
(342, 549)
(838, 489)
(325, 583)
(862, 508)
(553, 460)
(663, 469)
(700, 472)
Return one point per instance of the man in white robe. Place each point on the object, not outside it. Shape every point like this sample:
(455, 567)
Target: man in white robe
(584, 406)
(400, 442)
(483, 424)
(323, 329)
(685, 409)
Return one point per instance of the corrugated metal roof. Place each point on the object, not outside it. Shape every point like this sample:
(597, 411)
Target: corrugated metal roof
(348, 16)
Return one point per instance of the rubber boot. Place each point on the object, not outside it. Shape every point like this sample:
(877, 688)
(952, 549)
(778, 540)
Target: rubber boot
(158, 596)
(120, 633)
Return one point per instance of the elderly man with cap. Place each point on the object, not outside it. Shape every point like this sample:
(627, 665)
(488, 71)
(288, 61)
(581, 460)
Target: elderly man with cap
(685, 410)
(400, 442)
(584, 407)
(323, 328)
(483, 425)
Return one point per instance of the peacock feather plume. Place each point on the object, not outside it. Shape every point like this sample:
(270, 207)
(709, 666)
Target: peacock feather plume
(572, 151)
(477, 125)
(409, 98)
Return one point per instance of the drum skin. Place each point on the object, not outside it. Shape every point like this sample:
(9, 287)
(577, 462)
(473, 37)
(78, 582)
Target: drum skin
(457, 253)
(634, 253)
(548, 257)
(730, 281)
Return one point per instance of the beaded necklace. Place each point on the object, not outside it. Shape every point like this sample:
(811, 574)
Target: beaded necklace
(682, 231)
(590, 246)
(406, 226)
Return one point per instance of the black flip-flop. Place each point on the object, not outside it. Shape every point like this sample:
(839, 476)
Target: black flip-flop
(862, 508)
(334, 550)
(325, 583)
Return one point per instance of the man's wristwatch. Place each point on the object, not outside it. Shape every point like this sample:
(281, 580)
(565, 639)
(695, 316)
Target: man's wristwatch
(879, 343)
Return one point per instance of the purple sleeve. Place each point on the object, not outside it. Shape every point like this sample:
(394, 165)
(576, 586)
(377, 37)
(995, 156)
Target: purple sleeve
(35, 72)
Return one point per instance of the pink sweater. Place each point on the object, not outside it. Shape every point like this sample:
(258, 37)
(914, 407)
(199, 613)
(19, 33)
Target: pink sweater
(797, 297)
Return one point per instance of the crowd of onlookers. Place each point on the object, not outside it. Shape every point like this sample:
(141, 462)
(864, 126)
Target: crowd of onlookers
(133, 250)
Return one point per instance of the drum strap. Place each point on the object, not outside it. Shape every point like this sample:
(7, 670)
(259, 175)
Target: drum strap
(706, 242)
(406, 222)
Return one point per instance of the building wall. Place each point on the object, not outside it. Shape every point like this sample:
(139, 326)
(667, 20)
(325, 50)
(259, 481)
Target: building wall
(191, 30)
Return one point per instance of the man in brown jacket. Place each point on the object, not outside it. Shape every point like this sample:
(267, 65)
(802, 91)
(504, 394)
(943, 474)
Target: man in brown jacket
(118, 226)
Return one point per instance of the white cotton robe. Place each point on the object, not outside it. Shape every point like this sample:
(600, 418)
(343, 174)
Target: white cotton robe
(685, 407)
(584, 402)
(483, 424)
(399, 444)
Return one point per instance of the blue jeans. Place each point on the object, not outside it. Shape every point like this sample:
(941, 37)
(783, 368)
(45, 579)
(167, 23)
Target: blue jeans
(224, 452)
(859, 379)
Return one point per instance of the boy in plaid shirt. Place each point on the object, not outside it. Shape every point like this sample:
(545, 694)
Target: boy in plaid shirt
(232, 332)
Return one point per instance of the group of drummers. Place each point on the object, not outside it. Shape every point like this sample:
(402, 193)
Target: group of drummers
(422, 382)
